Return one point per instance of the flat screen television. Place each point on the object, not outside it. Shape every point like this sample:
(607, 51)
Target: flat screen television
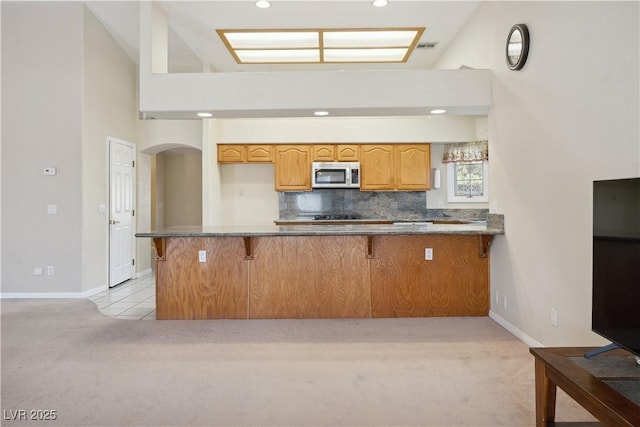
(616, 262)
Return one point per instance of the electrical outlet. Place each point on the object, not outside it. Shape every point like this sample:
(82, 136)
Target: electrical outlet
(202, 256)
(497, 298)
(504, 302)
(37, 271)
(554, 317)
(52, 209)
(50, 270)
(428, 254)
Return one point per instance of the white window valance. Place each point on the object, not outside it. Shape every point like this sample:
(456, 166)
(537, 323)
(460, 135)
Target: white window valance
(466, 152)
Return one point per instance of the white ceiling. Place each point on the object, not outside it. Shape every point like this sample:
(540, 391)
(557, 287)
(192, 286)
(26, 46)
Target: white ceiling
(194, 44)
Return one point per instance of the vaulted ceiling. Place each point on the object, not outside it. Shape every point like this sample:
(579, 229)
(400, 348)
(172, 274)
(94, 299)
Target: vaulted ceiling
(194, 43)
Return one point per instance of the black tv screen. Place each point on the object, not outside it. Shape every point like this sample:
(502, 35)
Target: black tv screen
(616, 262)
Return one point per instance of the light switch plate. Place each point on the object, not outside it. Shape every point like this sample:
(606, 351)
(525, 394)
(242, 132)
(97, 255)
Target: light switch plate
(202, 256)
(52, 209)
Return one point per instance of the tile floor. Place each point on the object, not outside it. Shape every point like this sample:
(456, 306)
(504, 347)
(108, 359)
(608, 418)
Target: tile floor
(134, 299)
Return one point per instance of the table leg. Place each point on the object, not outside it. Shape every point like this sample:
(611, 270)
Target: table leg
(545, 396)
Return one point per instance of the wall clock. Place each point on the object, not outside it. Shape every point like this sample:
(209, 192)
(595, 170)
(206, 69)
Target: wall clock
(517, 46)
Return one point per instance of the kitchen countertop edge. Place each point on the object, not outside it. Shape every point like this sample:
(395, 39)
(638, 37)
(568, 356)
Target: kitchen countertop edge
(323, 230)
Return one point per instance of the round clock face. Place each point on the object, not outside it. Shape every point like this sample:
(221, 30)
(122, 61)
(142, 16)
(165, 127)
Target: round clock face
(517, 46)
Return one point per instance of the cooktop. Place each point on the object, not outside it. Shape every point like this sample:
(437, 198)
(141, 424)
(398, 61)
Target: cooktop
(335, 217)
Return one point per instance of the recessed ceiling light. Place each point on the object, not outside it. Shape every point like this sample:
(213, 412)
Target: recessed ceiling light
(263, 4)
(380, 3)
(438, 111)
(321, 113)
(204, 115)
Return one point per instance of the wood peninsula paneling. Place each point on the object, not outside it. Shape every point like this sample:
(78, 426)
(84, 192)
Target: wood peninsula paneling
(216, 289)
(404, 284)
(309, 277)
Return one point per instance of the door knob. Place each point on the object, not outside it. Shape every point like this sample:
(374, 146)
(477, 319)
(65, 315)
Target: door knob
(113, 221)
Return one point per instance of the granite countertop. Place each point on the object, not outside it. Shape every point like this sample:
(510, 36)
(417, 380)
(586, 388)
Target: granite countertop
(405, 228)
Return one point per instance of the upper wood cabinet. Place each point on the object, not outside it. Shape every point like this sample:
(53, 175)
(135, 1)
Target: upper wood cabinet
(324, 152)
(387, 167)
(347, 153)
(245, 153)
(232, 153)
(413, 166)
(293, 167)
(333, 152)
(377, 167)
(260, 153)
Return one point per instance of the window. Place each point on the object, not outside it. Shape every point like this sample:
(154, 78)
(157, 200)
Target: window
(468, 182)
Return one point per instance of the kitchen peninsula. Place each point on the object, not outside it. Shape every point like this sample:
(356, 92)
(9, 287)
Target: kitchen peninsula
(323, 271)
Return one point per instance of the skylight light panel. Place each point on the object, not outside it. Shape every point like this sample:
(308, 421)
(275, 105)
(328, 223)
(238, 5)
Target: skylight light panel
(369, 38)
(272, 40)
(365, 55)
(278, 56)
(320, 45)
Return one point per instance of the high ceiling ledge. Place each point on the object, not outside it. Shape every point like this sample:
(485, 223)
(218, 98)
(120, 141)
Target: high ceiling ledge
(464, 92)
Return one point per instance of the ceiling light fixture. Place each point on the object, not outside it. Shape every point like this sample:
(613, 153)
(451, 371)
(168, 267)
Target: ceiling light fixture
(380, 3)
(204, 115)
(321, 113)
(438, 111)
(263, 4)
(317, 46)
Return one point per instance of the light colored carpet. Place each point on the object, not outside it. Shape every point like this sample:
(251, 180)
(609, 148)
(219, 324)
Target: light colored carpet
(64, 355)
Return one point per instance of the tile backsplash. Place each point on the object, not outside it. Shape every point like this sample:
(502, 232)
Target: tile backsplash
(398, 205)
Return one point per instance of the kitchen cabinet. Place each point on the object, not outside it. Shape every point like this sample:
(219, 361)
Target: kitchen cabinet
(245, 153)
(293, 167)
(232, 153)
(260, 153)
(377, 167)
(335, 152)
(386, 167)
(347, 153)
(413, 166)
(324, 152)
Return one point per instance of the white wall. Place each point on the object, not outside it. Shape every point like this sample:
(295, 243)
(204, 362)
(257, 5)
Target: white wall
(570, 116)
(247, 192)
(42, 126)
(109, 111)
(182, 188)
(67, 86)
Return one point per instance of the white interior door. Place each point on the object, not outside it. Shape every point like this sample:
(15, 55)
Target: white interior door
(121, 206)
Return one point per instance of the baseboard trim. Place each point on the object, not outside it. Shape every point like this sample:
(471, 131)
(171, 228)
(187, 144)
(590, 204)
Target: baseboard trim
(144, 273)
(58, 295)
(514, 331)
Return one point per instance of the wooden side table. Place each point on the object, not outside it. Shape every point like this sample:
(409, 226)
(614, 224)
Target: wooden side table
(566, 368)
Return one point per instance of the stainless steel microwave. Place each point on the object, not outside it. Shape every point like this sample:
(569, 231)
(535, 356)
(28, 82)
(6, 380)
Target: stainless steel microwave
(335, 175)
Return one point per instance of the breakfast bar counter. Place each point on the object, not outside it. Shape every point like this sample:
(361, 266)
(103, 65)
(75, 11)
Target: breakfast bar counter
(322, 271)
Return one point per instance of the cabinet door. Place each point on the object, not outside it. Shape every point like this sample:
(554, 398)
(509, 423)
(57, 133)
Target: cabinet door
(293, 167)
(413, 166)
(232, 153)
(259, 153)
(324, 153)
(376, 167)
(347, 153)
